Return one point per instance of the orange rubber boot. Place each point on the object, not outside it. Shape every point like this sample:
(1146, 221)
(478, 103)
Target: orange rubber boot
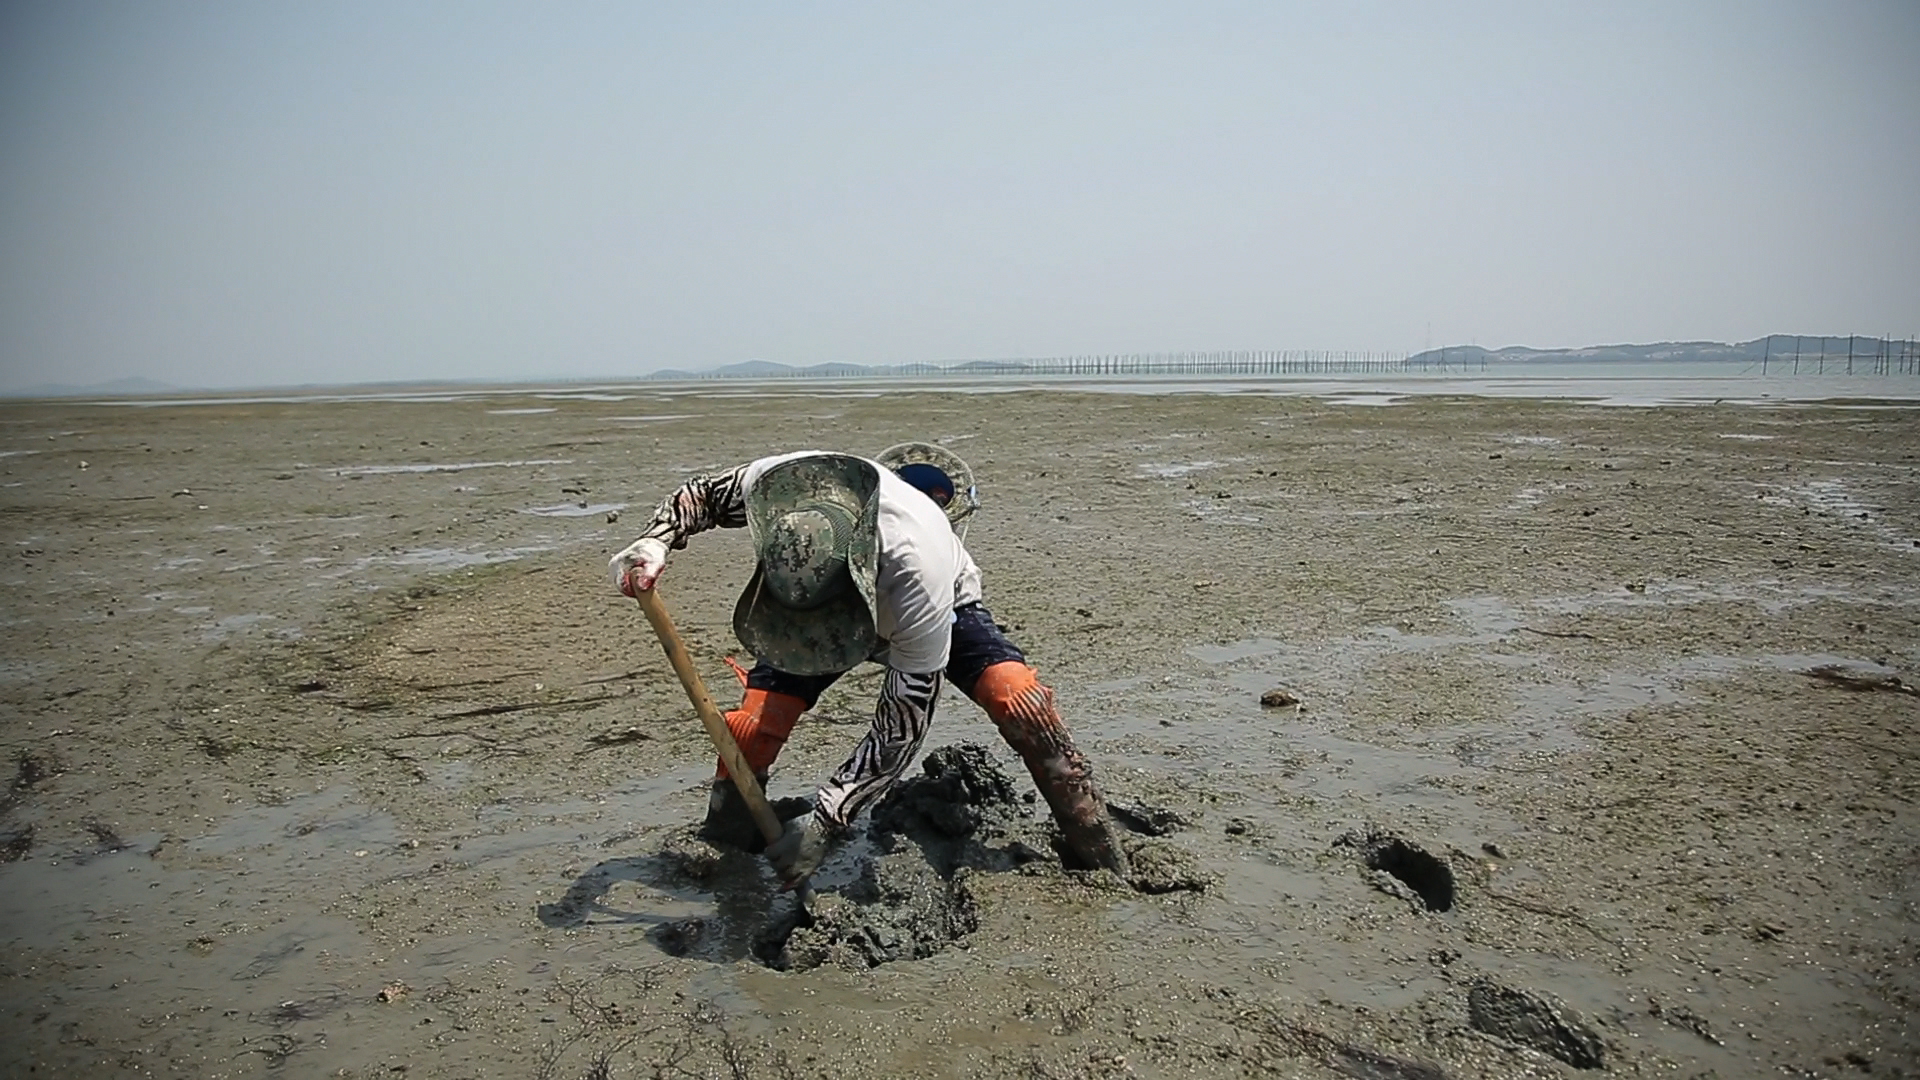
(1022, 708)
(760, 726)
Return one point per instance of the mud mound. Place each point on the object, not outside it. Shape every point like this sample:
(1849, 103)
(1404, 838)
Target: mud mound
(927, 839)
(911, 899)
(1160, 867)
(901, 909)
(1531, 1020)
(956, 811)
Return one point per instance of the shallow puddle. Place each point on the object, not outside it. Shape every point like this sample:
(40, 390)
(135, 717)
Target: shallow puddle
(326, 826)
(438, 559)
(1236, 650)
(223, 628)
(231, 926)
(574, 509)
(462, 466)
(1168, 471)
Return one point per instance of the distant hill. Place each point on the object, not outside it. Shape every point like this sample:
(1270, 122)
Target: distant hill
(992, 367)
(841, 370)
(754, 369)
(1775, 347)
(771, 369)
(832, 369)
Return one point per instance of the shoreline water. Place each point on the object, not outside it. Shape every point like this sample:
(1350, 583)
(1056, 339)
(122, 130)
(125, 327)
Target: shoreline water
(1600, 384)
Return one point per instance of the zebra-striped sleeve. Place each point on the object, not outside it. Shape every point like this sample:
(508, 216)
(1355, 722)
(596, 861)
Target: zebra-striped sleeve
(715, 500)
(900, 723)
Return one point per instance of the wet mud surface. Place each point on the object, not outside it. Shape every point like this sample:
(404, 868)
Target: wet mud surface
(1587, 746)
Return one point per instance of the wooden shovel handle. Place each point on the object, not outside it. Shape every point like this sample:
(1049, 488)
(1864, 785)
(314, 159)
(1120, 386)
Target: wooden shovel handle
(717, 730)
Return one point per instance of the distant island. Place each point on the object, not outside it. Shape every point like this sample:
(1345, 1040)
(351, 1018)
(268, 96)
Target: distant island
(1772, 349)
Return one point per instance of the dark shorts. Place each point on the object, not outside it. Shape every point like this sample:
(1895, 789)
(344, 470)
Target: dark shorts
(978, 644)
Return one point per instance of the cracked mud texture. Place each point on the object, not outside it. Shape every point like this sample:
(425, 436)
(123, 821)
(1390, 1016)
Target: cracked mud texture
(324, 698)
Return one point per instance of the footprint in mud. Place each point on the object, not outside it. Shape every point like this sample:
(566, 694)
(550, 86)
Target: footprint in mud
(106, 841)
(269, 960)
(1146, 820)
(1399, 867)
(297, 1010)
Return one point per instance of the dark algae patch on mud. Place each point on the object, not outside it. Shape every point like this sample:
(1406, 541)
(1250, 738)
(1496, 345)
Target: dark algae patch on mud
(16, 837)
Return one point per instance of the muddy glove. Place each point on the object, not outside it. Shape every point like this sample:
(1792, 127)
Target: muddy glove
(635, 569)
(801, 849)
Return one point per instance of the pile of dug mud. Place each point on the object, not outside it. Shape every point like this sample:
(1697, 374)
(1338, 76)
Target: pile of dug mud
(910, 893)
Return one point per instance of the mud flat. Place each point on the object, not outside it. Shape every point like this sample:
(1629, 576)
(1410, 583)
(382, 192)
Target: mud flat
(328, 752)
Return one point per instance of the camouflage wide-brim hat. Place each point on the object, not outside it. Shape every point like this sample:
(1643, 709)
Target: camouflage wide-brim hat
(815, 524)
(966, 498)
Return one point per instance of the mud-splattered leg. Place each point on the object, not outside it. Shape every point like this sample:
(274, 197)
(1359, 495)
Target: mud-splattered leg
(1022, 708)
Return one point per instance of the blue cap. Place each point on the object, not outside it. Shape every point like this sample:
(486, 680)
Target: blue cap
(930, 479)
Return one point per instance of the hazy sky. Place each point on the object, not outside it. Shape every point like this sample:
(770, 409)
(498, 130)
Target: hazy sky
(227, 193)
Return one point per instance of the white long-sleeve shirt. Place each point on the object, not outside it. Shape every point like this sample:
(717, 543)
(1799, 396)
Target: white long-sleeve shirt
(923, 574)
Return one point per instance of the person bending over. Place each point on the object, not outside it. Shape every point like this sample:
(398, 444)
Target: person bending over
(859, 561)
